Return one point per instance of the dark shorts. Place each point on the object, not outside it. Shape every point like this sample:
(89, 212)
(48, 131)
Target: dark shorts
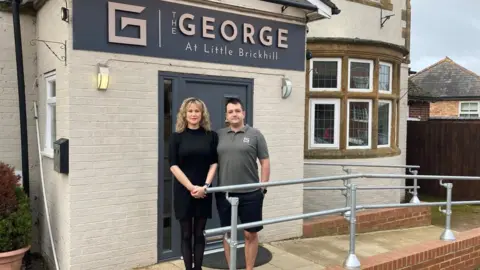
(250, 208)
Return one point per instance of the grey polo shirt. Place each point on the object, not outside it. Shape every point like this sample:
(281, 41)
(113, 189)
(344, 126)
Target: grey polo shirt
(237, 156)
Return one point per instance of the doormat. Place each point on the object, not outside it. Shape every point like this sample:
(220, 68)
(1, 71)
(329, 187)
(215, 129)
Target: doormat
(217, 260)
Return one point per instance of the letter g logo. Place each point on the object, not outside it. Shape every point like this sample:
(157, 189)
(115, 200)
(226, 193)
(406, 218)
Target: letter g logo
(142, 24)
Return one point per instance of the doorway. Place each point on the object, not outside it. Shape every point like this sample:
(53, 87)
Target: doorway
(173, 89)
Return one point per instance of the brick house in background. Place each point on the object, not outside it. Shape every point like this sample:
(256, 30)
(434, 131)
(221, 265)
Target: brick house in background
(418, 102)
(445, 90)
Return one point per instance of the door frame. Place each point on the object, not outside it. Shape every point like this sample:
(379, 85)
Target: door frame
(178, 83)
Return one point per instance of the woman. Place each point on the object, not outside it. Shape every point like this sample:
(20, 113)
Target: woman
(193, 162)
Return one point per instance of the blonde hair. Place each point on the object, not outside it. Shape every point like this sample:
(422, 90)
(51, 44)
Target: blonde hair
(182, 114)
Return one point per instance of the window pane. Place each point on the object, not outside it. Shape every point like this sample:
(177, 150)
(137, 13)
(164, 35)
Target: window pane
(52, 88)
(383, 123)
(325, 74)
(167, 175)
(469, 107)
(324, 125)
(384, 79)
(470, 115)
(54, 123)
(359, 126)
(465, 106)
(359, 75)
(167, 233)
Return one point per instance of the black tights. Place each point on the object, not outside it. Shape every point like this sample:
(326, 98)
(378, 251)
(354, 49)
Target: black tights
(198, 226)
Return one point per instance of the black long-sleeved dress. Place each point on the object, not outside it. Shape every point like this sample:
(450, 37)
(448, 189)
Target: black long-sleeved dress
(193, 151)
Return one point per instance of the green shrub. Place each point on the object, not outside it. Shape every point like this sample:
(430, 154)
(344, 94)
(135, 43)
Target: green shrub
(15, 215)
(8, 182)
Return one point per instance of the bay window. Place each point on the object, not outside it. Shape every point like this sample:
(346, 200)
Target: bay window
(352, 99)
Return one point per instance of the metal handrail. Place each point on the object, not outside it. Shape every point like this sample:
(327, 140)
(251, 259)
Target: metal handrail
(423, 177)
(351, 261)
(362, 188)
(222, 230)
(281, 183)
(362, 165)
(413, 169)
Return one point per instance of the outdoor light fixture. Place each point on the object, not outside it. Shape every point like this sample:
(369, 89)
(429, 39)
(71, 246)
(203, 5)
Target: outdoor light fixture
(286, 88)
(65, 14)
(102, 77)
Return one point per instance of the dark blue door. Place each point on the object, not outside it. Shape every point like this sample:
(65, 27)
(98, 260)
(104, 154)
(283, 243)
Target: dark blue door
(173, 89)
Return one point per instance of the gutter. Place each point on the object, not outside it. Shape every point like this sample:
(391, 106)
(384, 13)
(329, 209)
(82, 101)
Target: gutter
(291, 3)
(330, 4)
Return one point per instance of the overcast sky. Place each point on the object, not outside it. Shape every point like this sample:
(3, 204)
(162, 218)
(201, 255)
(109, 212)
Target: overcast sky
(445, 28)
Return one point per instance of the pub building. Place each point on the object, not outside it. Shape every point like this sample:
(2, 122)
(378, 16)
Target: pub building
(108, 78)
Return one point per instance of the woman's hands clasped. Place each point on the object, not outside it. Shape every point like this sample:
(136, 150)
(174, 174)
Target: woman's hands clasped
(198, 192)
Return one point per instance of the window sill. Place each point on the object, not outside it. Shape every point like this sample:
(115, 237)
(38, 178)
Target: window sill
(351, 153)
(47, 153)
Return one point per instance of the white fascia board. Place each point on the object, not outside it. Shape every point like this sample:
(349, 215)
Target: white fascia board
(323, 9)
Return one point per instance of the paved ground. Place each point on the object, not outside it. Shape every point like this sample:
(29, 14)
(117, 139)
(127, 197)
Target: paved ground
(317, 253)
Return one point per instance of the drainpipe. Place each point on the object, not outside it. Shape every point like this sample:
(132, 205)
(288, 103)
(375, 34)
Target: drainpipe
(21, 94)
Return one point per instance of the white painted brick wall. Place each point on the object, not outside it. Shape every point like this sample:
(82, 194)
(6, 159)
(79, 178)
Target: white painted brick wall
(50, 27)
(113, 154)
(10, 142)
(123, 202)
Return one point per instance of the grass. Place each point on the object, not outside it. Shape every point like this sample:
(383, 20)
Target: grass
(438, 218)
(462, 211)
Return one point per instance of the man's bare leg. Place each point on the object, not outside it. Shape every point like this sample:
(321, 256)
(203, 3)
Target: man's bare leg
(251, 249)
(226, 247)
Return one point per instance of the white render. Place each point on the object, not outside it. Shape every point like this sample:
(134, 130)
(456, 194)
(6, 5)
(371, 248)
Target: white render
(362, 21)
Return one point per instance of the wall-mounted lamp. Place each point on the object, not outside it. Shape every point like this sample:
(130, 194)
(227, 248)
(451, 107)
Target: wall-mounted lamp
(308, 55)
(286, 88)
(65, 14)
(102, 77)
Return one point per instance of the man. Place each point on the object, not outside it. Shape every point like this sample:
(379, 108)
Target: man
(239, 147)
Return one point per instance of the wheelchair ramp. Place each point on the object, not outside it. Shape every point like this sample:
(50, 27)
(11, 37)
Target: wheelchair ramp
(318, 253)
(332, 250)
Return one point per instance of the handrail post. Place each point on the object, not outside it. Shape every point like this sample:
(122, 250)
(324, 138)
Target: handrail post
(346, 183)
(415, 198)
(447, 234)
(233, 232)
(352, 261)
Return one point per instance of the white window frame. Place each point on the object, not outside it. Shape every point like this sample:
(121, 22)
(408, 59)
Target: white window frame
(389, 102)
(370, 89)
(311, 123)
(463, 102)
(369, 145)
(389, 91)
(50, 102)
(339, 73)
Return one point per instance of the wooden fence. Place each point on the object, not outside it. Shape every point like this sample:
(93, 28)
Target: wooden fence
(446, 148)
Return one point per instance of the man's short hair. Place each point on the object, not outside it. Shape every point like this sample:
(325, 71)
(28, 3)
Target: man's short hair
(234, 100)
